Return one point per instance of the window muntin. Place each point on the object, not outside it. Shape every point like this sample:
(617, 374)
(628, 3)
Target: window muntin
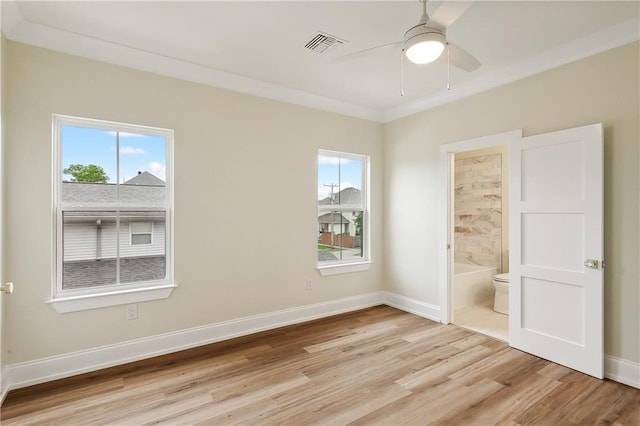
(113, 219)
(342, 208)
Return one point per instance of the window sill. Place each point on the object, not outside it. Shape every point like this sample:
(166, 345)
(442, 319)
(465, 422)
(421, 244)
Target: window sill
(84, 302)
(326, 270)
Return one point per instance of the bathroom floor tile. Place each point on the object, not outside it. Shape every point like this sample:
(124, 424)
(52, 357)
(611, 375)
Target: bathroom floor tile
(483, 319)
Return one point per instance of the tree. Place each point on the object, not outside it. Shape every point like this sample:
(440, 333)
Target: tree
(357, 220)
(90, 173)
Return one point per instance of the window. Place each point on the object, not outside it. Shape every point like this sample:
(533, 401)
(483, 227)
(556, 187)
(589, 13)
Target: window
(140, 232)
(113, 204)
(343, 215)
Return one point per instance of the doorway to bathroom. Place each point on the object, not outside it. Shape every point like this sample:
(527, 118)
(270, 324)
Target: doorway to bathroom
(480, 200)
(476, 229)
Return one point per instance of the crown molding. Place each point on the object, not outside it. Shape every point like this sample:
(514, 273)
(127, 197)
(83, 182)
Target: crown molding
(11, 17)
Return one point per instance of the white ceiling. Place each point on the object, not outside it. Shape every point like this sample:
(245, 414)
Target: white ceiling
(258, 47)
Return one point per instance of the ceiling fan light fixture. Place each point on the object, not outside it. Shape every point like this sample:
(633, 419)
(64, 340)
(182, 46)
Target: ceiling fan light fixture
(424, 48)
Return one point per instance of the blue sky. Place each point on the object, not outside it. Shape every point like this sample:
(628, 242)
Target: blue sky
(93, 146)
(338, 171)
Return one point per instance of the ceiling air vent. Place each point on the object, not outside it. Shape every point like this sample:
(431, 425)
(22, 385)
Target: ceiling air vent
(323, 42)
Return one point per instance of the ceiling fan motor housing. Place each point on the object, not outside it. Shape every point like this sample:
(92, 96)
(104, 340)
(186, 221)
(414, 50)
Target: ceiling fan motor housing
(418, 37)
(420, 31)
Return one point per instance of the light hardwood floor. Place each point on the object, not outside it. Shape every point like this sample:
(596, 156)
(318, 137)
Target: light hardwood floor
(375, 366)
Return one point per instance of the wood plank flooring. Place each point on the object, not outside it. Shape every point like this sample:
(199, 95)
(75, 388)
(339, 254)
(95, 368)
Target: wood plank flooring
(375, 366)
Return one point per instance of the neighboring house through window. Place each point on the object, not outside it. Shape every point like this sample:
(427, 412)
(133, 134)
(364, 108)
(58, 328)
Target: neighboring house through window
(343, 212)
(113, 211)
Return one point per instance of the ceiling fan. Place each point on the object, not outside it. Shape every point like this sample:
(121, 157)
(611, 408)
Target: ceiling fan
(426, 41)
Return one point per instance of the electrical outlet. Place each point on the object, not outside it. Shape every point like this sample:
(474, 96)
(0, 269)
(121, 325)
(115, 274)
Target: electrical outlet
(309, 285)
(132, 312)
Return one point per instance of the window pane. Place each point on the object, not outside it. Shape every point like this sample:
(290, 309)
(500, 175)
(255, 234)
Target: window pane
(143, 160)
(89, 170)
(350, 194)
(340, 236)
(340, 182)
(141, 227)
(140, 239)
(89, 247)
(145, 258)
(328, 179)
(95, 160)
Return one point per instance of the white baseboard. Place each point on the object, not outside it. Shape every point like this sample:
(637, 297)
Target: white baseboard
(621, 370)
(57, 367)
(414, 306)
(4, 388)
(61, 366)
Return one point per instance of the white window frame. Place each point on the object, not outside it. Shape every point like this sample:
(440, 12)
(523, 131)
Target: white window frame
(363, 264)
(131, 234)
(71, 300)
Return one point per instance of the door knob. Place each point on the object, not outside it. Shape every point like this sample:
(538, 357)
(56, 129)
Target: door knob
(6, 288)
(591, 263)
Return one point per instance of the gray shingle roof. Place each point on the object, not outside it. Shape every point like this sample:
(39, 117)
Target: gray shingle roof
(145, 178)
(333, 218)
(145, 189)
(348, 196)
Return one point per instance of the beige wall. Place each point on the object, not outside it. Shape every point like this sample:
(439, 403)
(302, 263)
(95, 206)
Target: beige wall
(242, 165)
(603, 88)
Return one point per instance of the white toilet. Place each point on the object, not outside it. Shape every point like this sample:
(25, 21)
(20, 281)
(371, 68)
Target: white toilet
(501, 299)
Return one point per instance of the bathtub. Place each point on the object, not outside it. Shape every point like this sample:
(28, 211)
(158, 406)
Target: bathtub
(472, 285)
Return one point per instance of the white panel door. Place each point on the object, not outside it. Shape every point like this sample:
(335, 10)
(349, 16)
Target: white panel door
(556, 226)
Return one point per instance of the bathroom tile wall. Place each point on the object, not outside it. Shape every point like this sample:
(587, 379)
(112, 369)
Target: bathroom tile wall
(478, 210)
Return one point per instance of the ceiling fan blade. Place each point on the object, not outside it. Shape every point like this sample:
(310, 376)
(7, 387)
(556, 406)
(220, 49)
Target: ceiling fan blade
(448, 12)
(370, 51)
(460, 58)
